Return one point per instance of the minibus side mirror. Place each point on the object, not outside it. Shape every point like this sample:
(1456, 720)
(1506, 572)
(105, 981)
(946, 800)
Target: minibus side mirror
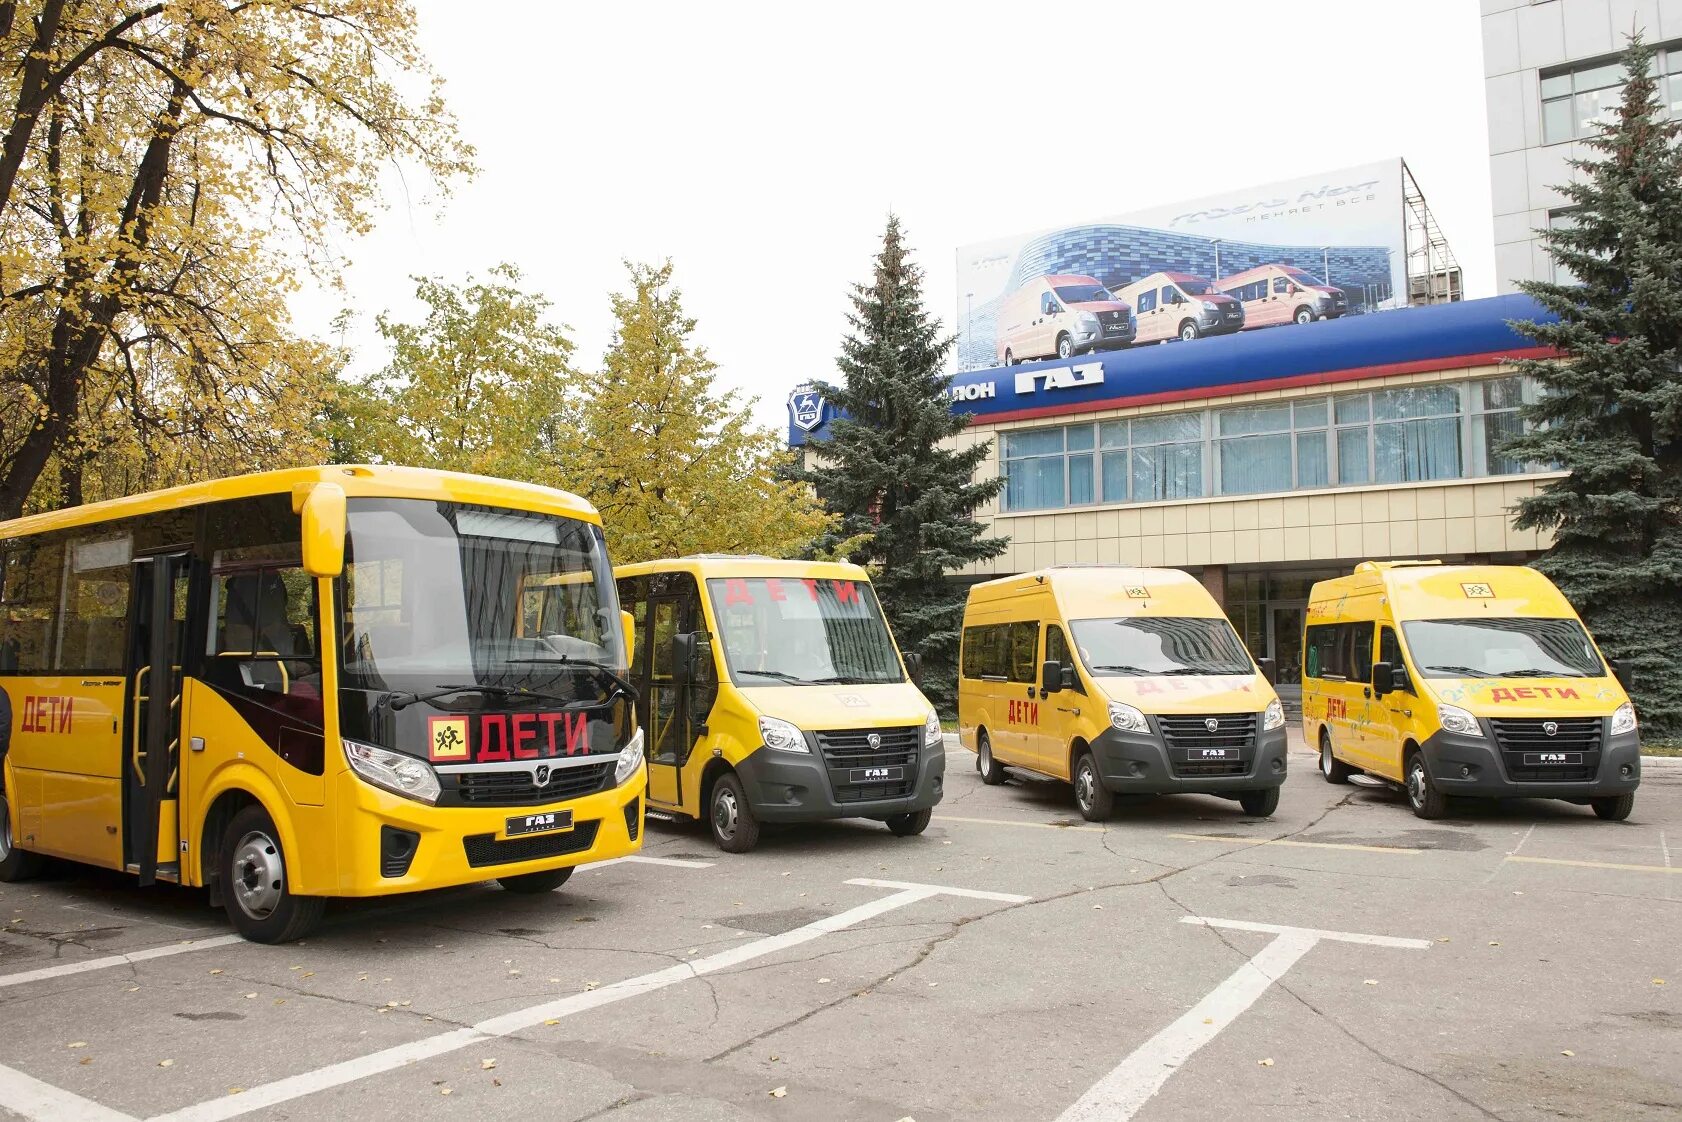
(914, 666)
(1621, 671)
(322, 530)
(1383, 679)
(683, 658)
(1051, 675)
(1269, 670)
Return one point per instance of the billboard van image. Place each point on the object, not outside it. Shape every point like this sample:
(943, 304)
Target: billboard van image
(1171, 306)
(1343, 231)
(1274, 294)
(1061, 314)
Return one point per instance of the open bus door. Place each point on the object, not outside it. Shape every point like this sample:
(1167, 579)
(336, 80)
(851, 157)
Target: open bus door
(151, 775)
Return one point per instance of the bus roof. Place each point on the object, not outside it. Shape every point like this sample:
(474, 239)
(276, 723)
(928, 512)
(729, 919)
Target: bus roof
(358, 480)
(1093, 585)
(1432, 590)
(706, 565)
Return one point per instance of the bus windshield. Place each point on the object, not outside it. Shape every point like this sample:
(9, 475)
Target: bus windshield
(439, 594)
(1146, 646)
(1083, 293)
(1196, 287)
(1515, 647)
(788, 632)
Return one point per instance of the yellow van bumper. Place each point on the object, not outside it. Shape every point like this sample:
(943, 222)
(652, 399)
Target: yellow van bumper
(1141, 764)
(1477, 766)
(389, 844)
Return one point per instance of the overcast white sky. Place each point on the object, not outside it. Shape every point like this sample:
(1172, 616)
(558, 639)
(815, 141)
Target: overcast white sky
(761, 146)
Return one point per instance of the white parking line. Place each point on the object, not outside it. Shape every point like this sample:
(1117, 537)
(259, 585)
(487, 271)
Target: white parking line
(1120, 1094)
(639, 859)
(349, 1071)
(86, 965)
(42, 1102)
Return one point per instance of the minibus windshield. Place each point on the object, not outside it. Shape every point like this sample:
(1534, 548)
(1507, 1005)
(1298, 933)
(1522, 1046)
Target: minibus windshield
(1196, 288)
(1082, 293)
(1301, 277)
(1512, 647)
(1148, 646)
(440, 596)
(782, 631)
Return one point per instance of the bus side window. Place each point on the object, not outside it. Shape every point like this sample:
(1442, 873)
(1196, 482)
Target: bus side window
(1390, 650)
(29, 597)
(1360, 652)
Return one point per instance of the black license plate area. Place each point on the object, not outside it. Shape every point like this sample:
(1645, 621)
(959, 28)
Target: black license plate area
(1553, 759)
(549, 821)
(1210, 755)
(861, 775)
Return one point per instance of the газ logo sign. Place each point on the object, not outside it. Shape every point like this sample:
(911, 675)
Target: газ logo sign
(805, 407)
(1061, 377)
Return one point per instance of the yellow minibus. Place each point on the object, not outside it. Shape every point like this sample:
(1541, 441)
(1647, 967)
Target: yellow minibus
(772, 691)
(1472, 680)
(335, 681)
(1119, 681)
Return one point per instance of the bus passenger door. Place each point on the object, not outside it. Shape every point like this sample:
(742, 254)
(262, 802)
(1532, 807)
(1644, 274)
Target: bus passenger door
(1058, 710)
(157, 638)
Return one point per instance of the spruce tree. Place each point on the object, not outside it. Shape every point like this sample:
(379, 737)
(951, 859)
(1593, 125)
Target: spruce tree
(1611, 410)
(891, 472)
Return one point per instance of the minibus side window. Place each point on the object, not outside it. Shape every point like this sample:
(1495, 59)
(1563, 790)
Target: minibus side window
(1024, 640)
(1360, 652)
(1324, 654)
(986, 653)
(1281, 285)
(1147, 302)
(1389, 650)
(1048, 304)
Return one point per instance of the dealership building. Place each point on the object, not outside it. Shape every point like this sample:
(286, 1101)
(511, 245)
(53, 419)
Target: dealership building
(1261, 461)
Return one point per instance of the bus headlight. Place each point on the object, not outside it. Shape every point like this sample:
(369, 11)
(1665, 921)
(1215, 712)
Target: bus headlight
(1456, 719)
(1623, 720)
(932, 733)
(393, 771)
(1127, 719)
(1273, 716)
(630, 759)
(781, 735)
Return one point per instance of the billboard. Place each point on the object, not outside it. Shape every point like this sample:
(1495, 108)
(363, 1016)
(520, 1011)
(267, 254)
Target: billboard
(1282, 255)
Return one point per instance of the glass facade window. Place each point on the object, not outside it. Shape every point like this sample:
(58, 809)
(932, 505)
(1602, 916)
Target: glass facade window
(1579, 101)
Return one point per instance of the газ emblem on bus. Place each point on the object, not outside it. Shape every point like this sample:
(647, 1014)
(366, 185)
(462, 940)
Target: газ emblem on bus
(1211, 724)
(540, 774)
(1550, 727)
(873, 740)
(805, 407)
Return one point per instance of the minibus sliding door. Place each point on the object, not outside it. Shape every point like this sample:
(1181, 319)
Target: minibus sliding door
(151, 773)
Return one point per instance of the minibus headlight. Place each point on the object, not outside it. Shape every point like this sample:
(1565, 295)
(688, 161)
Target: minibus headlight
(1455, 719)
(1127, 719)
(630, 759)
(1211, 306)
(781, 735)
(1273, 716)
(933, 736)
(393, 771)
(1087, 321)
(1623, 720)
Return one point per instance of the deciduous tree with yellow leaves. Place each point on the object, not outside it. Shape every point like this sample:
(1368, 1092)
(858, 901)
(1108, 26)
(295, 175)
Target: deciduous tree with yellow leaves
(166, 168)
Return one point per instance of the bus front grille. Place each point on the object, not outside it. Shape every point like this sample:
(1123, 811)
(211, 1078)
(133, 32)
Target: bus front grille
(485, 849)
(515, 786)
(846, 751)
(1187, 736)
(1526, 743)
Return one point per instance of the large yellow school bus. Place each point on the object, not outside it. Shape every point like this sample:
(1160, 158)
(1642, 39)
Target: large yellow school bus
(336, 681)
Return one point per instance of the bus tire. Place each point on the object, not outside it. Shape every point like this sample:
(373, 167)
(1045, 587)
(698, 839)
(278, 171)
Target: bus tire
(260, 905)
(1259, 804)
(1334, 769)
(992, 771)
(1094, 800)
(1010, 359)
(535, 884)
(1304, 315)
(1614, 808)
(731, 819)
(1065, 346)
(1427, 802)
(15, 864)
(1189, 331)
(909, 825)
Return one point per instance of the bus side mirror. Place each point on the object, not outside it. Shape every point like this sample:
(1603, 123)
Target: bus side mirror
(914, 666)
(628, 626)
(683, 658)
(323, 530)
(1383, 679)
(1269, 670)
(1621, 671)
(1051, 675)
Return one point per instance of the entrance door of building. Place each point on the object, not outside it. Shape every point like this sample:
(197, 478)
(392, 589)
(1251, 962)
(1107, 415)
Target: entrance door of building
(1284, 646)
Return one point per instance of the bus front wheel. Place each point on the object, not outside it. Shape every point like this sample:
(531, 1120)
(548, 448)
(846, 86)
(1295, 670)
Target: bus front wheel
(734, 826)
(534, 884)
(260, 905)
(15, 864)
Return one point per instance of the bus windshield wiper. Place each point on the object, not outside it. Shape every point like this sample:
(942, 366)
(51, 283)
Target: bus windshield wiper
(403, 701)
(1472, 671)
(1541, 674)
(779, 675)
(1122, 668)
(602, 668)
(1205, 670)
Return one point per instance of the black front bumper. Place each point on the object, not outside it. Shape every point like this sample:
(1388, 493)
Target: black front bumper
(796, 787)
(1134, 763)
(1473, 766)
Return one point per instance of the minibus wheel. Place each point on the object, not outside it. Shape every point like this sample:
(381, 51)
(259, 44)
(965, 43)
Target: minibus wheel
(1065, 346)
(992, 771)
(1095, 801)
(1305, 315)
(1010, 359)
(733, 824)
(1334, 769)
(1259, 804)
(259, 904)
(15, 864)
(1615, 808)
(1423, 796)
(1189, 331)
(535, 884)
(909, 825)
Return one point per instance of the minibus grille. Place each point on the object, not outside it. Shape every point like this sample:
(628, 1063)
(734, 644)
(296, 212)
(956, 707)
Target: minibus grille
(1522, 739)
(485, 849)
(516, 787)
(1186, 734)
(848, 750)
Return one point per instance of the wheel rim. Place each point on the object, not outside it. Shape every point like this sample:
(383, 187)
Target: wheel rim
(1010, 359)
(1064, 349)
(725, 813)
(1304, 317)
(984, 757)
(1188, 334)
(259, 875)
(5, 830)
(1326, 757)
(1416, 784)
(1084, 784)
